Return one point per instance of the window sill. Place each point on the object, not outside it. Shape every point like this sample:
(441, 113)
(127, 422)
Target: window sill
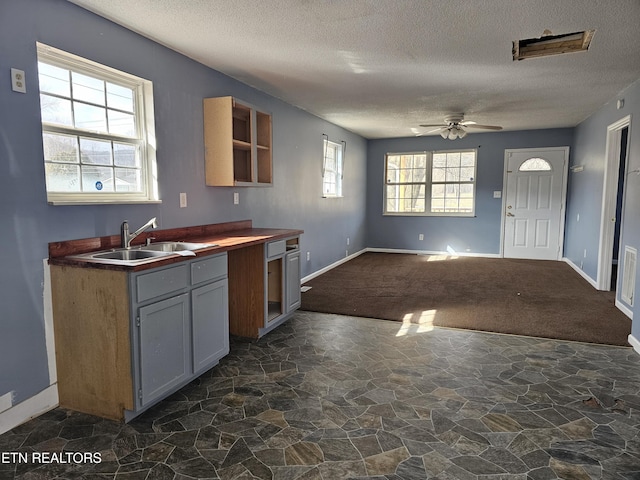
(332, 196)
(104, 202)
(421, 214)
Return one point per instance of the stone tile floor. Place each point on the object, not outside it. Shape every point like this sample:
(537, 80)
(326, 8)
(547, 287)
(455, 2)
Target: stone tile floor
(329, 397)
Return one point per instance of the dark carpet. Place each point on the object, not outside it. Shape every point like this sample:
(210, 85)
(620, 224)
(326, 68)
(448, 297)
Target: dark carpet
(523, 297)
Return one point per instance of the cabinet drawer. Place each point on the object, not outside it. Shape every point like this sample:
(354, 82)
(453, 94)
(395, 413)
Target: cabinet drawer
(161, 282)
(210, 268)
(276, 248)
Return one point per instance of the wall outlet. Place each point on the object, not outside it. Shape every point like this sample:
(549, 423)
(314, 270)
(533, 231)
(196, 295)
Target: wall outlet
(183, 200)
(236, 198)
(308, 256)
(18, 83)
(421, 236)
(346, 253)
(585, 253)
(348, 240)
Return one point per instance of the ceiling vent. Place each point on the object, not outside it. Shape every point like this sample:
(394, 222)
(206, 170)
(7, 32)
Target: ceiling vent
(549, 44)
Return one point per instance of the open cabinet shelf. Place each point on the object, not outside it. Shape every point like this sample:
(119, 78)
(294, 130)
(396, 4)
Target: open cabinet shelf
(237, 140)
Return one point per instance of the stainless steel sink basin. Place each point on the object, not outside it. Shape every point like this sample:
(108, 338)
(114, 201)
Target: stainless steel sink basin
(128, 255)
(175, 246)
(122, 256)
(142, 254)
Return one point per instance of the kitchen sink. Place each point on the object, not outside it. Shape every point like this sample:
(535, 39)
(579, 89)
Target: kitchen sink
(142, 254)
(128, 255)
(175, 246)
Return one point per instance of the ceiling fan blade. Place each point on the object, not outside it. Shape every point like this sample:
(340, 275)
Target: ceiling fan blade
(432, 125)
(435, 130)
(483, 127)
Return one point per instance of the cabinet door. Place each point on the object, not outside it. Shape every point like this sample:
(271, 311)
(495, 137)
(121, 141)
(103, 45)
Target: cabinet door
(164, 348)
(210, 314)
(292, 276)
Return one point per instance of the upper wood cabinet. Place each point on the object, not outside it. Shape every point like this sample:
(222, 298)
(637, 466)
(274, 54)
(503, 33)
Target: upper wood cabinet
(237, 141)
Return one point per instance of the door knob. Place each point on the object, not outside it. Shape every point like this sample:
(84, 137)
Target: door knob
(509, 214)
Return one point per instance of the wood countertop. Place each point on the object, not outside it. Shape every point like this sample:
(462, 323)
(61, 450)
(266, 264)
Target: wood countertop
(226, 236)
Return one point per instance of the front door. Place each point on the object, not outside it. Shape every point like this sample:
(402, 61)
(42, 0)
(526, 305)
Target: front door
(534, 203)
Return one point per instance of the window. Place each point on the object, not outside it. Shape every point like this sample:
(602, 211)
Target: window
(430, 183)
(535, 164)
(332, 167)
(97, 126)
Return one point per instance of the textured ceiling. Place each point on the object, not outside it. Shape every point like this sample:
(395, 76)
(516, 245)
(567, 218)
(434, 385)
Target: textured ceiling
(382, 67)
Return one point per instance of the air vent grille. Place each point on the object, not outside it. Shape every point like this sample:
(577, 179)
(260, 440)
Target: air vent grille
(629, 275)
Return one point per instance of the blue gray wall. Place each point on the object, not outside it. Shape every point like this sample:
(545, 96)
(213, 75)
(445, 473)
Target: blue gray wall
(586, 187)
(29, 223)
(479, 234)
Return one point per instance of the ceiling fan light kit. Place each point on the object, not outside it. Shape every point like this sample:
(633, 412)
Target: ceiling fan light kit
(455, 126)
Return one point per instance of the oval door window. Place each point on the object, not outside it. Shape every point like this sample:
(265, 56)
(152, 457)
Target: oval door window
(535, 164)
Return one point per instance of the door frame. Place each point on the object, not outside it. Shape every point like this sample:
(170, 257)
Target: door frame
(563, 200)
(609, 197)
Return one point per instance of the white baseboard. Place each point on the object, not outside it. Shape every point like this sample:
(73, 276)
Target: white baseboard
(635, 343)
(329, 267)
(37, 405)
(433, 252)
(624, 309)
(591, 281)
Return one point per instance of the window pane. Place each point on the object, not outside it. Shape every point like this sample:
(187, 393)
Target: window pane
(535, 164)
(121, 123)
(468, 159)
(53, 80)
(452, 174)
(466, 190)
(453, 159)
(125, 155)
(437, 205)
(128, 180)
(62, 177)
(95, 152)
(55, 110)
(466, 174)
(60, 148)
(120, 97)
(87, 89)
(90, 117)
(97, 179)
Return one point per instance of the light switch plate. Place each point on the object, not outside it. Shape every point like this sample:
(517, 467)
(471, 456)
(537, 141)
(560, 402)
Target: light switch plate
(497, 194)
(183, 200)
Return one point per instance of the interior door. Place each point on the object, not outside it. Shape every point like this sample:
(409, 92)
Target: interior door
(534, 203)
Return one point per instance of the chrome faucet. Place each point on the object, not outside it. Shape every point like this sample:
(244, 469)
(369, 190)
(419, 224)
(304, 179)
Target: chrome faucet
(128, 237)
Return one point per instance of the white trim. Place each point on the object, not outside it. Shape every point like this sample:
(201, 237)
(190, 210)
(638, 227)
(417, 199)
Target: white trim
(624, 309)
(563, 201)
(6, 401)
(581, 272)
(609, 201)
(633, 341)
(32, 407)
(331, 266)
(433, 252)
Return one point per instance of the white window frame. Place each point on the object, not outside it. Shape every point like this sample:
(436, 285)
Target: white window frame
(428, 184)
(145, 128)
(328, 174)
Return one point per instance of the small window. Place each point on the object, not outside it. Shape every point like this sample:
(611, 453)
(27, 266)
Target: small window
(97, 126)
(332, 169)
(430, 183)
(535, 164)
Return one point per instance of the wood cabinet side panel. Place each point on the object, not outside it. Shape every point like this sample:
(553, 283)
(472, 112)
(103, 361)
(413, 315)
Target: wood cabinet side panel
(92, 337)
(246, 291)
(218, 143)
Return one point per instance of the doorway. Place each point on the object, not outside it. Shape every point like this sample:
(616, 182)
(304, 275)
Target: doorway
(612, 204)
(534, 203)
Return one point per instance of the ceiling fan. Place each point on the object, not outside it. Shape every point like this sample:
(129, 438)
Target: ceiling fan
(455, 126)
